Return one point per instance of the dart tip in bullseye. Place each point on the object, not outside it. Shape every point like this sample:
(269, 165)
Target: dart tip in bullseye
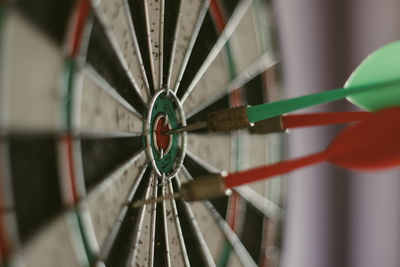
(140, 203)
(191, 127)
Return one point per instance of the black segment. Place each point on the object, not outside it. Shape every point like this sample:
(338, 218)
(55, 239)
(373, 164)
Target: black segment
(160, 255)
(170, 19)
(139, 23)
(206, 39)
(49, 15)
(122, 246)
(197, 171)
(229, 6)
(104, 59)
(192, 243)
(251, 236)
(254, 91)
(35, 181)
(221, 205)
(102, 155)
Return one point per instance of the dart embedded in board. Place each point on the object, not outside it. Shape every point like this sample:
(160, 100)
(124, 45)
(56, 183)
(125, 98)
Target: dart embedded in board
(372, 86)
(371, 144)
(292, 121)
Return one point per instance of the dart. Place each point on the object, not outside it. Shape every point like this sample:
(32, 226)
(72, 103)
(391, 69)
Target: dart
(244, 117)
(291, 121)
(371, 144)
(372, 86)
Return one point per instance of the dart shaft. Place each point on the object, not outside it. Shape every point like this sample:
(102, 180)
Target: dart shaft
(290, 121)
(268, 171)
(269, 110)
(215, 185)
(326, 118)
(191, 127)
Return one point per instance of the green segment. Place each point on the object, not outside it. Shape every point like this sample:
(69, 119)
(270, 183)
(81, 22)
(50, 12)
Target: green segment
(231, 62)
(89, 254)
(224, 256)
(382, 65)
(163, 105)
(269, 110)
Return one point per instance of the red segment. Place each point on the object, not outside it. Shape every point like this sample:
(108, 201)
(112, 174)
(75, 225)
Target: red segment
(217, 15)
(162, 139)
(77, 26)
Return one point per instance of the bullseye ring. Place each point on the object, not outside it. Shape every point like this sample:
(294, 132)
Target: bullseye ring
(165, 152)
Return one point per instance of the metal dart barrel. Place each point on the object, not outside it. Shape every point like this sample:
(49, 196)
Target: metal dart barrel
(206, 187)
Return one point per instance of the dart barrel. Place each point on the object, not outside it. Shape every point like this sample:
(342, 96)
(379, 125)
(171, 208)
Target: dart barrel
(271, 125)
(204, 188)
(228, 119)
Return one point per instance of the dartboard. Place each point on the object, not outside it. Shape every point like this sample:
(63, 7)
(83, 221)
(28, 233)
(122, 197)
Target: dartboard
(87, 88)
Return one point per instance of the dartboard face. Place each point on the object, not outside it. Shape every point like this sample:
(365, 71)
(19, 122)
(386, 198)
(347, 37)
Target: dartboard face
(87, 91)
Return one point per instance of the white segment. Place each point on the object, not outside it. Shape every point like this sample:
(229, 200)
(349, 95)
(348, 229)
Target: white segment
(105, 201)
(154, 10)
(205, 207)
(259, 150)
(245, 50)
(153, 223)
(204, 250)
(250, 56)
(101, 109)
(235, 242)
(191, 15)
(244, 42)
(261, 203)
(230, 27)
(215, 149)
(31, 78)
(177, 249)
(263, 17)
(210, 230)
(212, 234)
(142, 254)
(116, 16)
(58, 244)
(275, 186)
(167, 237)
(254, 152)
(234, 260)
(216, 77)
(262, 63)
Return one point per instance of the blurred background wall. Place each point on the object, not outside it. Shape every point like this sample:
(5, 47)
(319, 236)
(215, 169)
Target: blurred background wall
(335, 217)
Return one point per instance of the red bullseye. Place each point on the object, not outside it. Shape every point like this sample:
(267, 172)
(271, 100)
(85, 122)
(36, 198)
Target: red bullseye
(162, 141)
